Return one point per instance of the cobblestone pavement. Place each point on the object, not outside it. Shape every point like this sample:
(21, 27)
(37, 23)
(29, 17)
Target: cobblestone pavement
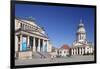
(54, 60)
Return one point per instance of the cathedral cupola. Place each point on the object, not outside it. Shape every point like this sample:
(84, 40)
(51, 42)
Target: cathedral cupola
(81, 28)
(81, 33)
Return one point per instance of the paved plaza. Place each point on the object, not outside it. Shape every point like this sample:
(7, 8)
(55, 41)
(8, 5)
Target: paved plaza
(54, 60)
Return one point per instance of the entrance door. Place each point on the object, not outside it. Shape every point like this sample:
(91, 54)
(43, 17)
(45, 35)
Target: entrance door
(24, 44)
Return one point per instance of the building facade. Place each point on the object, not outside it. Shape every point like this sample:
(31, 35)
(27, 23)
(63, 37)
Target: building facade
(29, 38)
(81, 46)
(64, 51)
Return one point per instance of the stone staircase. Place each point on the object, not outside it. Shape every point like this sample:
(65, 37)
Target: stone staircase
(41, 55)
(36, 55)
(45, 54)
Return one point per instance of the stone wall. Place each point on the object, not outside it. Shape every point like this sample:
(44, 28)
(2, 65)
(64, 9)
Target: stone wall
(25, 55)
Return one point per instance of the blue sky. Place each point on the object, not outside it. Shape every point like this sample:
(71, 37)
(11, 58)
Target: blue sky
(59, 22)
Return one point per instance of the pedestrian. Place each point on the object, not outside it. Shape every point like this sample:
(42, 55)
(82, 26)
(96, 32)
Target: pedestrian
(52, 58)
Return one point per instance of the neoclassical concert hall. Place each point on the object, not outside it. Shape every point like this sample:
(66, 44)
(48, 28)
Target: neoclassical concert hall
(30, 38)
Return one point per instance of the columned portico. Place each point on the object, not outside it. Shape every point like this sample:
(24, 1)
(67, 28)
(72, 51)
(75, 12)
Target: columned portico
(78, 51)
(38, 44)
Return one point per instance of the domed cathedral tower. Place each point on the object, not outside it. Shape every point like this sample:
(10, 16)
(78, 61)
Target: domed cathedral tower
(81, 33)
(80, 45)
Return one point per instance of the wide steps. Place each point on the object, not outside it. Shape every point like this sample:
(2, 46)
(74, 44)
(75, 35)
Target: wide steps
(41, 55)
(36, 55)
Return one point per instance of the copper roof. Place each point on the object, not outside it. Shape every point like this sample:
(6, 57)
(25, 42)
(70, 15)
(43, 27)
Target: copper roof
(65, 47)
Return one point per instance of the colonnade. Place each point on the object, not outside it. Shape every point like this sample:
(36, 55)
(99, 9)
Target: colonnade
(32, 43)
(78, 51)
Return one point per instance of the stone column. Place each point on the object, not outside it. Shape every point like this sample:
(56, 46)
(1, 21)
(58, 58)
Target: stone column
(74, 51)
(82, 51)
(28, 46)
(16, 43)
(38, 45)
(34, 46)
(85, 50)
(20, 42)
